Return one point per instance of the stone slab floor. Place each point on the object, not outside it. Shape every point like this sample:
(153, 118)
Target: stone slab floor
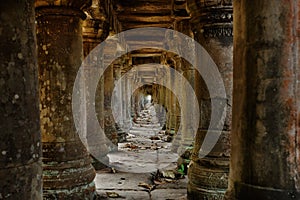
(139, 159)
(143, 168)
(130, 186)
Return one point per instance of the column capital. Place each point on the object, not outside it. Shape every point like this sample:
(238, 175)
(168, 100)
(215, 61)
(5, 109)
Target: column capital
(96, 26)
(212, 18)
(64, 7)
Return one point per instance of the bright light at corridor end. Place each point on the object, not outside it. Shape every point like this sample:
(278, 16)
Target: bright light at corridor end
(92, 68)
(148, 98)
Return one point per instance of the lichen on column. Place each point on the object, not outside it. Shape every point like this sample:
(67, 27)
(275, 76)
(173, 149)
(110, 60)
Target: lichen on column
(212, 28)
(265, 128)
(20, 140)
(67, 169)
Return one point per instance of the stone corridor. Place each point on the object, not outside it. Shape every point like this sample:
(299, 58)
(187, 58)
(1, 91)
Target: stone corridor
(149, 99)
(150, 167)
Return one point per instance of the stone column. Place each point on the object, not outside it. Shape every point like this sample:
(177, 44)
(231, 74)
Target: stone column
(161, 101)
(118, 103)
(168, 102)
(129, 101)
(119, 95)
(124, 105)
(187, 138)
(183, 25)
(111, 52)
(265, 131)
(20, 141)
(163, 90)
(94, 31)
(177, 81)
(67, 169)
(212, 27)
(169, 97)
(109, 122)
(173, 99)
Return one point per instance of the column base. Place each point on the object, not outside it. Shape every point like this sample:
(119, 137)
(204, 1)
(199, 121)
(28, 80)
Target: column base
(208, 178)
(21, 182)
(67, 171)
(84, 192)
(100, 164)
(175, 141)
(195, 193)
(245, 191)
(185, 145)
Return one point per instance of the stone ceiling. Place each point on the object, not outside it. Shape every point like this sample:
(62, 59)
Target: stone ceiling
(124, 15)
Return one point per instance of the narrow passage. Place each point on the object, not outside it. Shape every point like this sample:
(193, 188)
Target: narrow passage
(144, 167)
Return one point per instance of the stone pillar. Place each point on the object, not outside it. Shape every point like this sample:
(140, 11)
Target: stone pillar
(67, 169)
(265, 131)
(109, 122)
(20, 141)
(119, 95)
(168, 102)
(161, 101)
(124, 105)
(187, 138)
(118, 103)
(130, 105)
(94, 31)
(183, 25)
(212, 27)
(170, 99)
(173, 99)
(177, 81)
(111, 52)
(96, 141)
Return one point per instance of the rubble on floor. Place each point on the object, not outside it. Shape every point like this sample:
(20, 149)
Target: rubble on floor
(144, 167)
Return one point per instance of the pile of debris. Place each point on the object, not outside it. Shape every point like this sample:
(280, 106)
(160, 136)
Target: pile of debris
(147, 116)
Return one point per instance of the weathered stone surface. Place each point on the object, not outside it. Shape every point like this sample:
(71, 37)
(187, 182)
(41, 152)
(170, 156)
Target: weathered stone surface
(212, 28)
(109, 122)
(264, 160)
(68, 173)
(121, 181)
(171, 194)
(122, 194)
(265, 141)
(95, 29)
(20, 141)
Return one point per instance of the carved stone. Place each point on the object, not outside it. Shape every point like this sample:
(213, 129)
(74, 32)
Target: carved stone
(212, 27)
(265, 129)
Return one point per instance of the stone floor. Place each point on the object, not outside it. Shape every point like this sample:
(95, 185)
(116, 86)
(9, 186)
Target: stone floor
(122, 185)
(144, 167)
